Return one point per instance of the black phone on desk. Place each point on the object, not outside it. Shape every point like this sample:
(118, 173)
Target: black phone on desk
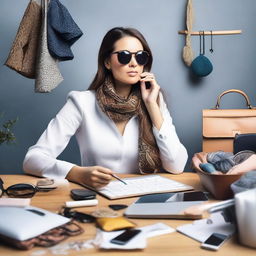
(82, 194)
(214, 241)
(125, 237)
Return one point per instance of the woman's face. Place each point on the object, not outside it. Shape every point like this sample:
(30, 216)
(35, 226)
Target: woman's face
(125, 73)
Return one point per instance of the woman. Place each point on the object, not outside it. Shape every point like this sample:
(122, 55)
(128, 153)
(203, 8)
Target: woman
(120, 125)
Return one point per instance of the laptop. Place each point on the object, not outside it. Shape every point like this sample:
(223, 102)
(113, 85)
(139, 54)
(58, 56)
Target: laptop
(166, 205)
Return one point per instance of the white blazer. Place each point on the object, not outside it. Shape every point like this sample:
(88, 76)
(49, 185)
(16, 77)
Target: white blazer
(99, 140)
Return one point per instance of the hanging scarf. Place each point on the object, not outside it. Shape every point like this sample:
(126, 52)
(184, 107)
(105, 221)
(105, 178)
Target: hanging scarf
(121, 109)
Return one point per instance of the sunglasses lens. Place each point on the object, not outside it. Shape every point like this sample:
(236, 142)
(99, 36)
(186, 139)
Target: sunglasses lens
(142, 57)
(124, 57)
(21, 190)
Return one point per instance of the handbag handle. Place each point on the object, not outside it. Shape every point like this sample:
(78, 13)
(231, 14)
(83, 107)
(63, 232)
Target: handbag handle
(248, 103)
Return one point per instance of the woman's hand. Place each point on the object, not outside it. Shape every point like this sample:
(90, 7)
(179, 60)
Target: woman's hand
(246, 166)
(198, 158)
(150, 95)
(93, 176)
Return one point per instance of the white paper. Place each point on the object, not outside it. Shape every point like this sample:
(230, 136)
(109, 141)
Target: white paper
(148, 184)
(103, 238)
(200, 230)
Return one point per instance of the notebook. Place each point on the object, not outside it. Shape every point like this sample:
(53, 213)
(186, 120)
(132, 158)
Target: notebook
(165, 206)
(142, 185)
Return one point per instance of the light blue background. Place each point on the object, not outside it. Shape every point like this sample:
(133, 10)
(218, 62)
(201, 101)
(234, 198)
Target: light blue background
(159, 20)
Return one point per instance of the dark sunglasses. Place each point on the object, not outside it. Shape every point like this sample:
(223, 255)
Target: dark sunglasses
(78, 216)
(24, 190)
(124, 57)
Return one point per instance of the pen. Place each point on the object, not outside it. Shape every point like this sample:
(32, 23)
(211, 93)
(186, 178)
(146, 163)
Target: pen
(116, 177)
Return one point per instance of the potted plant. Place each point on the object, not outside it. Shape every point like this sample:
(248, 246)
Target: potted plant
(6, 134)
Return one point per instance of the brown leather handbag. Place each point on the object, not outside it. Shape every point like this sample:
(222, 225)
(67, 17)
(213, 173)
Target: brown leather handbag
(221, 125)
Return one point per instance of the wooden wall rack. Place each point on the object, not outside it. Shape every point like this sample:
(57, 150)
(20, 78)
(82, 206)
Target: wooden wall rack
(214, 32)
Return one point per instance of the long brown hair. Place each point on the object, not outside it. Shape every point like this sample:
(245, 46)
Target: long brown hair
(107, 47)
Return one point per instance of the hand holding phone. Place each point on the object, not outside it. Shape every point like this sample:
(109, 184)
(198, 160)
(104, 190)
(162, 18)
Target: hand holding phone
(214, 241)
(125, 237)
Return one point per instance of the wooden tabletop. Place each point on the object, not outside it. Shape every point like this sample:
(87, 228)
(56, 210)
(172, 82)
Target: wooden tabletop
(169, 244)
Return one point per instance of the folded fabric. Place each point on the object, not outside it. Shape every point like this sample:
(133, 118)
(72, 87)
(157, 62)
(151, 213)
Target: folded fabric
(62, 31)
(224, 161)
(114, 223)
(207, 167)
(22, 56)
(48, 75)
(216, 156)
(246, 182)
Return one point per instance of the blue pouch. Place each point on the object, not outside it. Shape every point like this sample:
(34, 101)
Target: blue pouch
(201, 65)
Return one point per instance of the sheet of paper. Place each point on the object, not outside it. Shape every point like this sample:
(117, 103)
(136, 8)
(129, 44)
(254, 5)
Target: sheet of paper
(200, 230)
(103, 238)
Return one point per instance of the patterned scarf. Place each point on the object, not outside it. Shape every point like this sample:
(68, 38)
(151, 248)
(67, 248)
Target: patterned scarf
(120, 109)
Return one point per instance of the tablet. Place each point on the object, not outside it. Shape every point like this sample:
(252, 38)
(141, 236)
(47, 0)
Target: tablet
(165, 206)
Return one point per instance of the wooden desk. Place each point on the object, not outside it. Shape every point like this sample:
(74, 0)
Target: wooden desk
(169, 244)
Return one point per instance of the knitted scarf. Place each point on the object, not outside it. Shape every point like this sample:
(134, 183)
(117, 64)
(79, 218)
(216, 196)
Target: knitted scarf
(120, 109)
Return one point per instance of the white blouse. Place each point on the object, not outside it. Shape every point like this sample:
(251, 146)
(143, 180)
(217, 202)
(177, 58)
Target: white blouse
(99, 140)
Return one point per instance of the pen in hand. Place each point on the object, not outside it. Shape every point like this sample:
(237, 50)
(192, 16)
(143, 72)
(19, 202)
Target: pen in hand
(116, 177)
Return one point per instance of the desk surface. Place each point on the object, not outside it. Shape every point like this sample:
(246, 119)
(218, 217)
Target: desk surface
(169, 244)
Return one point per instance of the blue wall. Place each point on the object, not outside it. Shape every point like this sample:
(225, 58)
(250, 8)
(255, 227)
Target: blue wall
(159, 20)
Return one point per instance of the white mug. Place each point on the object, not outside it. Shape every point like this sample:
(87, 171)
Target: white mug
(245, 203)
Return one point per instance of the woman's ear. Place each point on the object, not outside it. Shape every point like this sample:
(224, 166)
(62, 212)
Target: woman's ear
(107, 64)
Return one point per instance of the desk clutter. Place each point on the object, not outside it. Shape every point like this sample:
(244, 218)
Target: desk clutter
(34, 227)
(114, 230)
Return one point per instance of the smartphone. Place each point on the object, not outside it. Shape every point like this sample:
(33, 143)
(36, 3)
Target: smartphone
(148, 85)
(125, 237)
(214, 241)
(82, 194)
(195, 196)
